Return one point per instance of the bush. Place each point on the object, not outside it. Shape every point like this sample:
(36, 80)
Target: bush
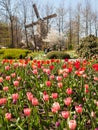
(57, 55)
(14, 53)
(88, 47)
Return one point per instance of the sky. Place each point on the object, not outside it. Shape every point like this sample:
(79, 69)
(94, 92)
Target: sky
(73, 3)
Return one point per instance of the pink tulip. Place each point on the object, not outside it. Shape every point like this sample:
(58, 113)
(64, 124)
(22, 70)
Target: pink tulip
(29, 96)
(16, 83)
(68, 101)
(46, 97)
(7, 68)
(13, 75)
(60, 85)
(8, 116)
(35, 102)
(3, 101)
(54, 95)
(69, 91)
(15, 96)
(27, 111)
(55, 107)
(48, 83)
(65, 75)
(59, 78)
(35, 72)
(72, 124)
(65, 114)
(18, 78)
(6, 88)
(8, 78)
(93, 114)
(78, 109)
(95, 78)
(86, 86)
(52, 77)
(1, 79)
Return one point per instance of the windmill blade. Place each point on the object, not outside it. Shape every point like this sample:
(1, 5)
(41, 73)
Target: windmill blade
(50, 16)
(36, 11)
(32, 24)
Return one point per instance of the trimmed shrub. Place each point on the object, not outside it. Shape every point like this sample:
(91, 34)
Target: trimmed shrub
(58, 55)
(14, 53)
(88, 47)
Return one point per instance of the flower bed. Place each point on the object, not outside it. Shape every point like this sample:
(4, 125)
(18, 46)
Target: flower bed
(52, 94)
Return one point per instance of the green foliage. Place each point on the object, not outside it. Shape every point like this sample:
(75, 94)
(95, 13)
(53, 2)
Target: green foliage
(36, 55)
(88, 47)
(13, 53)
(57, 55)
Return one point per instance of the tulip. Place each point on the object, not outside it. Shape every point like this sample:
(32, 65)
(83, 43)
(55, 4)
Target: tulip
(35, 72)
(35, 102)
(55, 107)
(6, 88)
(16, 83)
(69, 91)
(60, 85)
(8, 78)
(13, 75)
(27, 111)
(72, 124)
(3, 101)
(15, 96)
(1, 79)
(68, 101)
(46, 97)
(92, 114)
(8, 116)
(29, 96)
(7, 68)
(54, 95)
(59, 78)
(51, 77)
(48, 83)
(78, 109)
(65, 114)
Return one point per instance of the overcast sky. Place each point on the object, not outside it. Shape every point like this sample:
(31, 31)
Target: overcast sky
(73, 3)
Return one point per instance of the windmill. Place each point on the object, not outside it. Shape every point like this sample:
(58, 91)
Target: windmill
(42, 28)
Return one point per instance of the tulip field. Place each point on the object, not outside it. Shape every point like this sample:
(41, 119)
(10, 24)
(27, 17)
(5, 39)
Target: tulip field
(49, 94)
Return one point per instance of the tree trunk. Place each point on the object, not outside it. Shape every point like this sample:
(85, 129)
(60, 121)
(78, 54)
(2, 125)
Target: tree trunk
(12, 35)
(26, 37)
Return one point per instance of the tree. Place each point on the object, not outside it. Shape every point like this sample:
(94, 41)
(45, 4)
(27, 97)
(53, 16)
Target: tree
(8, 10)
(78, 20)
(54, 39)
(61, 18)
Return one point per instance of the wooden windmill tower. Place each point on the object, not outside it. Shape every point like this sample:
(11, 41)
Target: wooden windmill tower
(41, 27)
